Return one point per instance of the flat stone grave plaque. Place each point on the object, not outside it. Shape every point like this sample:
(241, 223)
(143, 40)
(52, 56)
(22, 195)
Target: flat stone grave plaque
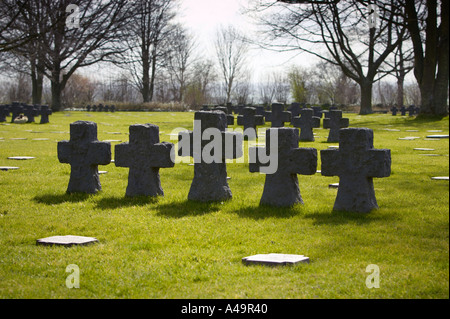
(18, 138)
(112, 141)
(409, 138)
(275, 259)
(333, 146)
(40, 139)
(334, 185)
(411, 130)
(429, 155)
(423, 149)
(440, 178)
(437, 136)
(434, 131)
(66, 241)
(7, 168)
(103, 172)
(21, 157)
(113, 133)
(391, 130)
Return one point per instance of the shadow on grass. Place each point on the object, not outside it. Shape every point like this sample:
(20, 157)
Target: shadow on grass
(265, 211)
(52, 199)
(336, 218)
(125, 201)
(187, 208)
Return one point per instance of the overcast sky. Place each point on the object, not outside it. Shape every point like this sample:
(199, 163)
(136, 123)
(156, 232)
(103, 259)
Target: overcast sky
(204, 17)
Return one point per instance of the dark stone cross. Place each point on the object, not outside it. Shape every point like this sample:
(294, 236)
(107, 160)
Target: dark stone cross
(88, 108)
(30, 111)
(94, 108)
(249, 119)
(44, 112)
(4, 112)
(356, 162)
(210, 172)
(144, 155)
(335, 122)
(278, 116)
(306, 122)
(16, 109)
(259, 110)
(317, 111)
(281, 187)
(411, 110)
(230, 116)
(100, 108)
(84, 153)
(295, 109)
(394, 110)
(403, 110)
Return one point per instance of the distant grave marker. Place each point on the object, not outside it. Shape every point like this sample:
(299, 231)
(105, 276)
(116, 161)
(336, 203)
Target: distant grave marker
(335, 122)
(278, 116)
(306, 122)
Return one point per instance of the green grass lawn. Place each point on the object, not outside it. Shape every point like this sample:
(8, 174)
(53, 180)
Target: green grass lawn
(172, 248)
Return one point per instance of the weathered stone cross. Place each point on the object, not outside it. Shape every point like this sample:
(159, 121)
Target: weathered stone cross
(144, 155)
(306, 122)
(210, 149)
(335, 122)
(281, 187)
(16, 108)
(84, 153)
(278, 116)
(249, 119)
(356, 162)
(44, 112)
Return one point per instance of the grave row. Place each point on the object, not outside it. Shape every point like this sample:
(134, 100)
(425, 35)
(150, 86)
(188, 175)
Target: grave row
(356, 162)
(25, 113)
(304, 118)
(412, 110)
(101, 108)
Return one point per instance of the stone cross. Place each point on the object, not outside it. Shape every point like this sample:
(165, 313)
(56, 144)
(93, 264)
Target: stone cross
(335, 122)
(210, 172)
(411, 110)
(318, 112)
(295, 109)
(394, 110)
(4, 112)
(306, 122)
(16, 109)
(144, 155)
(259, 110)
(356, 162)
(230, 116)
(94, 108)
(84, 153)
(249, 119)
(44, 112)
(30, 111)
(278, 116)
(403, 110)
(88, 108)
(281, 188)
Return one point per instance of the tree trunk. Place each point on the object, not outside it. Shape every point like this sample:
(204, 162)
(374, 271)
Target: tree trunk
(366, 97)
(56, 96)
(442, 78)
(400, 90)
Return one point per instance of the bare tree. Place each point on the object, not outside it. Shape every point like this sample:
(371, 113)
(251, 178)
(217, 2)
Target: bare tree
(65, 47)
(231, 49)
(342, 29)
(179, 60)
(149, 28)
(430, 42)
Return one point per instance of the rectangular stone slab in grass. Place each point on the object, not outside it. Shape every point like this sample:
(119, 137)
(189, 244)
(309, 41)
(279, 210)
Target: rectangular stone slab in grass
(66, 241)
(437, 136)
(440, 178)
(21, 158)
(275, 259)
(8, 168)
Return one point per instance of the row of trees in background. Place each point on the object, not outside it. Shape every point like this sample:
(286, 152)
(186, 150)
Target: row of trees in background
(53, 40)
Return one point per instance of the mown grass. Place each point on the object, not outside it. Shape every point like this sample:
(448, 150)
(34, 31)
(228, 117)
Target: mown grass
(169, 247)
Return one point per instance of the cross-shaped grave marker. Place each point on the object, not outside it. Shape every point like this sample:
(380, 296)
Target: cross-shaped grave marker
(228, 112)
(250, 120)
(84, 153)
(4, 112)
(44, 112)
(16, 109)
(144, 155)
(295, 109)
(210, 146)
(356, 162)
(281, 185)
(30, 111)
(335, 122)
(306, 122)
(278, 116)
